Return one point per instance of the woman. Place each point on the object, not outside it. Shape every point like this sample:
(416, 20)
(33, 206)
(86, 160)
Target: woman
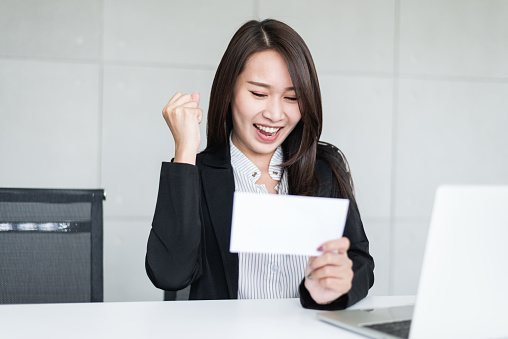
(264, 123)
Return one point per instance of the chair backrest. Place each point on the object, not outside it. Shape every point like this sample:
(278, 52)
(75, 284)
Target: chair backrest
(51, 245)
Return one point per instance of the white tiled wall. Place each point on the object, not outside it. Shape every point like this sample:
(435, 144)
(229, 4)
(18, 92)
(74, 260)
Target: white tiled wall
(51, 28)
(124, 264)
(180, 32)
(454, 37)
(407, 246)
(414, 92)
(49, 124)
(380, 248)
(461, 139)
(343, 35)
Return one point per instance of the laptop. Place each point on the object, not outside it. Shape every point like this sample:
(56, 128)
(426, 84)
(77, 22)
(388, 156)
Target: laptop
(463, 287)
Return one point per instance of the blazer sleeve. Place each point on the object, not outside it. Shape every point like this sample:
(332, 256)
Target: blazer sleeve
(363, 263)
(363, 267)
(173, 256)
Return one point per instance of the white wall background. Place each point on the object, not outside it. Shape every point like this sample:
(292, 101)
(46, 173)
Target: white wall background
(415, 93)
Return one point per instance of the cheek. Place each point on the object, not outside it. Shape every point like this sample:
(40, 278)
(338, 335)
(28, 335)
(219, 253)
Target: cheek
(248, 110)
(241, 120)
(295, 116)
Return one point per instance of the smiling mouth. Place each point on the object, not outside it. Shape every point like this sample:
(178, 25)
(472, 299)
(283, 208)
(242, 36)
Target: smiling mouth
(268, 131)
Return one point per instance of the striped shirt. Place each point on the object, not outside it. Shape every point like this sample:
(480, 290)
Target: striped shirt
(262, 275)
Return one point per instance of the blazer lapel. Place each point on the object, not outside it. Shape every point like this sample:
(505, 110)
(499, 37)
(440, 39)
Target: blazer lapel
(219, 186)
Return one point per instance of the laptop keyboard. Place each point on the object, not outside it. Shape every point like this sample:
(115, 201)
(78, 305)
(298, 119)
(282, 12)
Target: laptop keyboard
(397, 328)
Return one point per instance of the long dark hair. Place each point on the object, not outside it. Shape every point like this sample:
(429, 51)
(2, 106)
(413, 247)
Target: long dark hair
(301, 148)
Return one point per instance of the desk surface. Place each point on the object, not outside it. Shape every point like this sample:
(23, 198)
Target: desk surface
(283, 318)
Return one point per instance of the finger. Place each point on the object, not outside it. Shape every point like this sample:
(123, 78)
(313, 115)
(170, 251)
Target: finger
(170, 110)
(331, 271)
(189, 104)
(195, 97)
(338, 245)
(174, 98)
(173, 112)
(330, 258)
(183, 99)
(323, 272)
(308, 267)
(200, 116)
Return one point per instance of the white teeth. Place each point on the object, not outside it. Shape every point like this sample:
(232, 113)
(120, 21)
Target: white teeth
(267, 129)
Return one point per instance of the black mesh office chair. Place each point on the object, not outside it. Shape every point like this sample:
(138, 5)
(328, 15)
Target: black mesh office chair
(50, 245)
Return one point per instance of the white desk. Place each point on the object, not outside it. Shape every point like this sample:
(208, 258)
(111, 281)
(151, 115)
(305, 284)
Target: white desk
(176, 319)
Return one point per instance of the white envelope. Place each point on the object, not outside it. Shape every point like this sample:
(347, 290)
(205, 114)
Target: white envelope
(286, 224)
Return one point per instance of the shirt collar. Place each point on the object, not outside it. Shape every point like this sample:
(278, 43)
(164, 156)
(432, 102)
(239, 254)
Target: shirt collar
(242, 164)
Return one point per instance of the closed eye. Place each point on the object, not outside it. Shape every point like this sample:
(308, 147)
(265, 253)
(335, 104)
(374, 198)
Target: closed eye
(291, 98)
(259, 95)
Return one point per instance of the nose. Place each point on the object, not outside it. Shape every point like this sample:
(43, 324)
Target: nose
(274, 110)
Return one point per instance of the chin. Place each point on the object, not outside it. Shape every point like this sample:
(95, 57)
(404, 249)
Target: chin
(264, 150)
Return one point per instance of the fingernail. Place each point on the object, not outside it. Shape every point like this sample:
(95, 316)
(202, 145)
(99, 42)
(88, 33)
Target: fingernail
(321, 248)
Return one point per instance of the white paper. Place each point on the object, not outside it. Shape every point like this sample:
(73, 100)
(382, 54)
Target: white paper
(286, 224)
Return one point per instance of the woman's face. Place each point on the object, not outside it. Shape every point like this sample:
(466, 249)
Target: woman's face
(264, 106)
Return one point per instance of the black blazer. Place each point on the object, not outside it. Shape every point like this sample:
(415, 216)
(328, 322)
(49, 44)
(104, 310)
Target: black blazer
(191, 229)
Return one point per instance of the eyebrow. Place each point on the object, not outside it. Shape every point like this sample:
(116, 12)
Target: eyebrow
(260, 84)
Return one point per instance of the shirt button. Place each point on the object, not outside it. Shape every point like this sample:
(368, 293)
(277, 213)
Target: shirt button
(275, 268)
(254, 174)
(275, 172)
